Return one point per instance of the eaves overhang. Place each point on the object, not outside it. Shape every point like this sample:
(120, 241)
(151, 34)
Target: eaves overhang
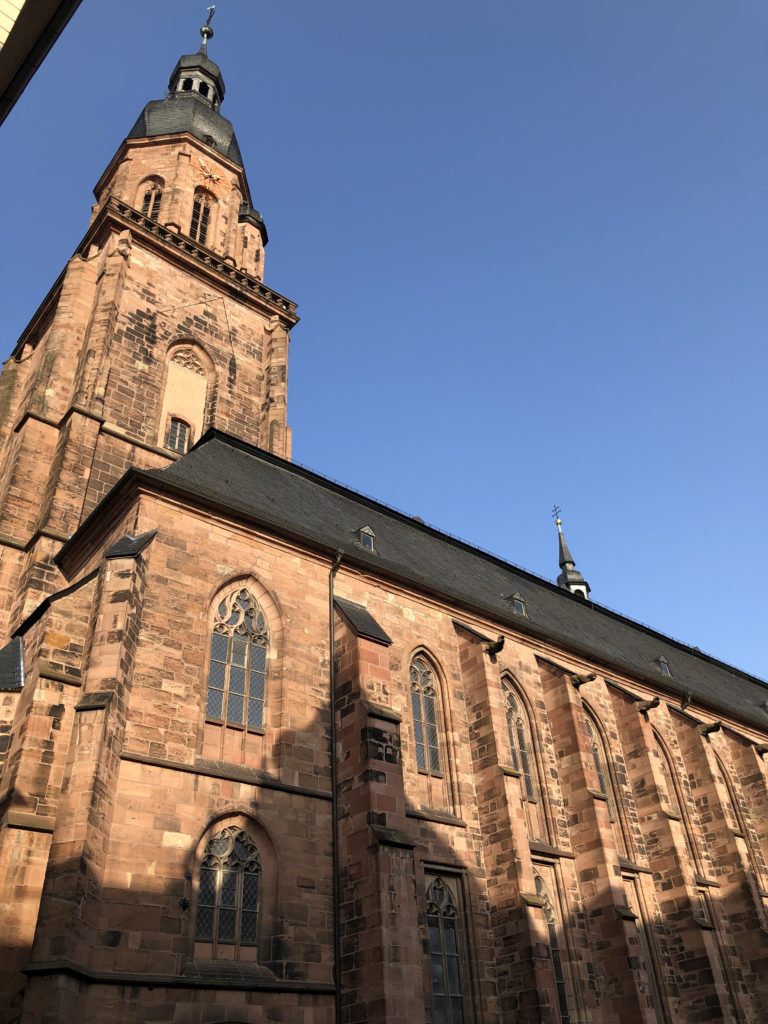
(146, 481)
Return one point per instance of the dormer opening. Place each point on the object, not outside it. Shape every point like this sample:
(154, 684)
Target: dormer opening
(186, 85)
(367, 539)
(203, 89)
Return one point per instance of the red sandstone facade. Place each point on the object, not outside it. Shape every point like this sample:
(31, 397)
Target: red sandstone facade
(409, 820)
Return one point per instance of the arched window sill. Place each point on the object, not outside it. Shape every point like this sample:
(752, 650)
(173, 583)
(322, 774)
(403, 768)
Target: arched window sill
(442, 817)
(257, 729)
(228, 969)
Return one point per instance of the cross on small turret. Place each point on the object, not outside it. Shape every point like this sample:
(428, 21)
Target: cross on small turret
(211, 11)
(556, 510)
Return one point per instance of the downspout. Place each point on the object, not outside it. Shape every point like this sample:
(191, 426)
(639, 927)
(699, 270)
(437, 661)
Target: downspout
(334, 796)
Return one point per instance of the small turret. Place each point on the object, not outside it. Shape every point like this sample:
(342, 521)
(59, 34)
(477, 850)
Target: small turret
(570, 578)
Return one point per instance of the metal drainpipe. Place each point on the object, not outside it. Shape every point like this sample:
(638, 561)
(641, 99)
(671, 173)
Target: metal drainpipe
(334, 797)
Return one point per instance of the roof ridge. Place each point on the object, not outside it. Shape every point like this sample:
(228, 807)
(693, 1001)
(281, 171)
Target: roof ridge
(256, 452)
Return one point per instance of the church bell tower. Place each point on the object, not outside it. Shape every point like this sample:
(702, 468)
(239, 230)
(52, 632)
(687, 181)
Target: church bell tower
(159, 328)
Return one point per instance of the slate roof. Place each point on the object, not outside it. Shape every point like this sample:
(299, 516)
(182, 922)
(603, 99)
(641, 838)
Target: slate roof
(130, 546)
(12, 666)
(188, 112)
(361, 621)
(298, 503)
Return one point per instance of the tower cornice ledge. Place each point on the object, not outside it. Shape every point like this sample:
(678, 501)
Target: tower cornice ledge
(190, 255)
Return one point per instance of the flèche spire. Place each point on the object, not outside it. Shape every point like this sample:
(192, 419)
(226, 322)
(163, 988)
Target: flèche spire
(570, 578)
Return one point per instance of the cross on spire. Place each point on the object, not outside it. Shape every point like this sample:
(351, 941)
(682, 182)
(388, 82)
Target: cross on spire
(206, 31)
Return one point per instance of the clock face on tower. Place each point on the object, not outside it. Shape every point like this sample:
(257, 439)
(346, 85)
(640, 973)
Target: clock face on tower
(208, 176)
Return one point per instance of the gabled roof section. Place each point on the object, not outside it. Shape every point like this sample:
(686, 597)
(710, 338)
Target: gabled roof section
(297, 503)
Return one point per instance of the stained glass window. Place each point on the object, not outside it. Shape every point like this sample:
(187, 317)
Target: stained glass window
(228, 895)
(238, 666)
(445, 955)
(424, 707)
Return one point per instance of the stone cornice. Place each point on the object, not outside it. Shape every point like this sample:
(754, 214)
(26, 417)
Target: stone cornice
(191, 256)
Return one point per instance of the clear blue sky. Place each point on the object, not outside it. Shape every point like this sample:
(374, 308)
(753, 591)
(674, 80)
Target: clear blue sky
(528, 241)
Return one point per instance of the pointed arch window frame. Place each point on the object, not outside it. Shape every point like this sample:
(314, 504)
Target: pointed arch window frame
(426, 713)
(201, 221)
(519, 733)
(229, 892)
(608, 788)
(559, 953)
(447, 948)
(236, 694)
(150, 202)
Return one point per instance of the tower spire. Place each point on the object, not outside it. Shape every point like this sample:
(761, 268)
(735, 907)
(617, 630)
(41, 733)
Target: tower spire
(570, 578)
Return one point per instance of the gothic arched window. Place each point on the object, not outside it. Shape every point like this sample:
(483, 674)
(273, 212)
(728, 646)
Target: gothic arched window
(445, 954)
(555, 954)
(150, 199)
(201, 217)
(425, 717)
(238, 665)
(598, 757)
(228, 896)
(519, 743)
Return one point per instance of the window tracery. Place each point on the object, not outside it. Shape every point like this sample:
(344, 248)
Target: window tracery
(229, 891)
(445, 951)
(555, 954)
(238, 663)
(187, 358)
(425, 717)
(520, 750)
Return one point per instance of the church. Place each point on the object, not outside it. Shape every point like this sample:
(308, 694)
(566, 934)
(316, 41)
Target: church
(274, 753)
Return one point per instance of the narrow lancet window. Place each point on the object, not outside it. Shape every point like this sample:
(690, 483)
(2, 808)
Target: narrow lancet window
(598, 760)
(228, 897)
(201, 217)
(150, 202)
(556, 958)
(445, 955)
(425, 727)
(238, 665)
(519, 746)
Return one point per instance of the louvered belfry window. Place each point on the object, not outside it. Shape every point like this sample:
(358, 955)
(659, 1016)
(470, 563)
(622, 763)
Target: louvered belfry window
(445, 955)
(201, 216)
(424, 706)
(150, 203)
(238, 666)
(228, 897)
